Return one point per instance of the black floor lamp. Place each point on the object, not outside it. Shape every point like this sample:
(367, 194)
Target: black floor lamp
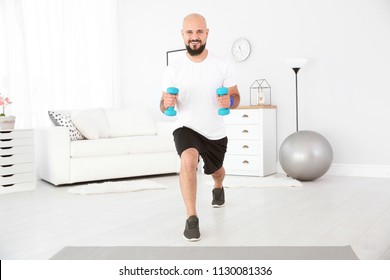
(296, 64)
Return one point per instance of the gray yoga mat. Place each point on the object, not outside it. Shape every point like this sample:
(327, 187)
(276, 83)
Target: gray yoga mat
(206, 253)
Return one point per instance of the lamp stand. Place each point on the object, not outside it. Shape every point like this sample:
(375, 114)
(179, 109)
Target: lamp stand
(296, 69)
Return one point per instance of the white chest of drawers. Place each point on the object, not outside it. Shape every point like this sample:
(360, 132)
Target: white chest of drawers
(17, 167)
(251, 132)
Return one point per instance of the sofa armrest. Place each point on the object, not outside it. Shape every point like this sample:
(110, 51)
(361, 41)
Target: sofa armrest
(53, 154)
(165, 128)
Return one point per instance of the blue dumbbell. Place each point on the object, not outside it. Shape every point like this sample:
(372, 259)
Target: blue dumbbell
(170, 111)
(221, 92)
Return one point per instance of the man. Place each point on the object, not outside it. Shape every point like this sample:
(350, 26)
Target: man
(201, 131)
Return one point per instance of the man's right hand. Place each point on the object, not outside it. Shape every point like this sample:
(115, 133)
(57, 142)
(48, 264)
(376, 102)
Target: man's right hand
(169, 99)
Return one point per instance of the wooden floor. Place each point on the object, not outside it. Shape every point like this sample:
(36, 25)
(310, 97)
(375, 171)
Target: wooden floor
(331, 211)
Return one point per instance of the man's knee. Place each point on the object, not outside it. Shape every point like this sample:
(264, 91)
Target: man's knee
(219, 173)
(189, 159)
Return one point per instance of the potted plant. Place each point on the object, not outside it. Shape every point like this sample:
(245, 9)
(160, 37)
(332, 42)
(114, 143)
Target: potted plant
(6, 122)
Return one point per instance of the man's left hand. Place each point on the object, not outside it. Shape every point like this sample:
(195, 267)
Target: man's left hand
(223, 101)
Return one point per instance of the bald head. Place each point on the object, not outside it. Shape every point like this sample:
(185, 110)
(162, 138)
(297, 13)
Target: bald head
(195, 19)
(195, 35)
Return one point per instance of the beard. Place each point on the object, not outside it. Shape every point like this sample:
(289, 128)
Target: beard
(195, 52)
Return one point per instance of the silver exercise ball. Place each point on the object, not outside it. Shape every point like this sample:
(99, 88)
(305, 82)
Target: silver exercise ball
(305, 155)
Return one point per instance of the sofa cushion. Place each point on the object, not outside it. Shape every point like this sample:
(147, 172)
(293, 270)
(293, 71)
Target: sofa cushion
(130, 122)
(151, 144)
(92, 123)
(99, 147)
(122, 146)
(61, 118)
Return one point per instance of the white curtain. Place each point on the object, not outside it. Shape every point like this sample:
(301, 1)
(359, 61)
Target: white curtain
(58, 55)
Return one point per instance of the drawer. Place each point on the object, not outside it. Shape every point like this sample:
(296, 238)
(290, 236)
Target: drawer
(244, 147)
(242, 162)
(13, 159)
(243, 131)
(6, 180)
(16, 150)
(17, 168)
(16, 134)
(16, 142)
(244, 116)
(19, 187)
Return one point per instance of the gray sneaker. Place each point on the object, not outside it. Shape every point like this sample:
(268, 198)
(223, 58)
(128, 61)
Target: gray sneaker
(218, 197)
(191, 231)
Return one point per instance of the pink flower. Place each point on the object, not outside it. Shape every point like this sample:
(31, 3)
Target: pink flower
(3, 103)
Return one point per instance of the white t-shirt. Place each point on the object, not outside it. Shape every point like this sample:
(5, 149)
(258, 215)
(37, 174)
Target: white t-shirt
(197, 106)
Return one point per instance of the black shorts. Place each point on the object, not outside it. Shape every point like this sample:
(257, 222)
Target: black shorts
(211, 151)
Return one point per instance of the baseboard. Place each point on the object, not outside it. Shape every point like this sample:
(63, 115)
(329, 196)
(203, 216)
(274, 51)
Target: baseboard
(356, 170)
(382, 171)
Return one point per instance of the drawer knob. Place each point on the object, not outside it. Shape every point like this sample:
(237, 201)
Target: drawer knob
(245, 147)
(245, 131)
(245, 116)
(6, 156)
(245, 162)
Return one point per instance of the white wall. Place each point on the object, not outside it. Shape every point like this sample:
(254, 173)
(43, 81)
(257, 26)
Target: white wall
(344, 90)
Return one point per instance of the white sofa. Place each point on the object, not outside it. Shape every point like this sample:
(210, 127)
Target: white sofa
(121, 143)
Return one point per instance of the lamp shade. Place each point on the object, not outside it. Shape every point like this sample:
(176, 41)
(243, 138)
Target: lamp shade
(296, 62)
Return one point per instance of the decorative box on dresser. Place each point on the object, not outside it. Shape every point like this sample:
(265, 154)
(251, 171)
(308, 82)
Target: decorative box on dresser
(17, 167)
(251, 131)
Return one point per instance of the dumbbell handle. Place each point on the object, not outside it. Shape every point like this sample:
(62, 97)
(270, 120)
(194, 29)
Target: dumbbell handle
(170, 111)
(221, 92)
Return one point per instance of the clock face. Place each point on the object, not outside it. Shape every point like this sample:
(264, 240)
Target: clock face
(241, 49)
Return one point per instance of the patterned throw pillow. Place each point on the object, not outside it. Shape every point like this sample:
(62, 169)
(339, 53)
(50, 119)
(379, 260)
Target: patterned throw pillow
(63, 119)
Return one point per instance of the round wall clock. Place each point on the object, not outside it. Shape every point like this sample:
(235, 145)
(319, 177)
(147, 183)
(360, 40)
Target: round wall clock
(241, 49)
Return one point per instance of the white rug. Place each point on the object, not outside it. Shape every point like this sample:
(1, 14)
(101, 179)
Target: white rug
(277, 180)
(116, 187)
